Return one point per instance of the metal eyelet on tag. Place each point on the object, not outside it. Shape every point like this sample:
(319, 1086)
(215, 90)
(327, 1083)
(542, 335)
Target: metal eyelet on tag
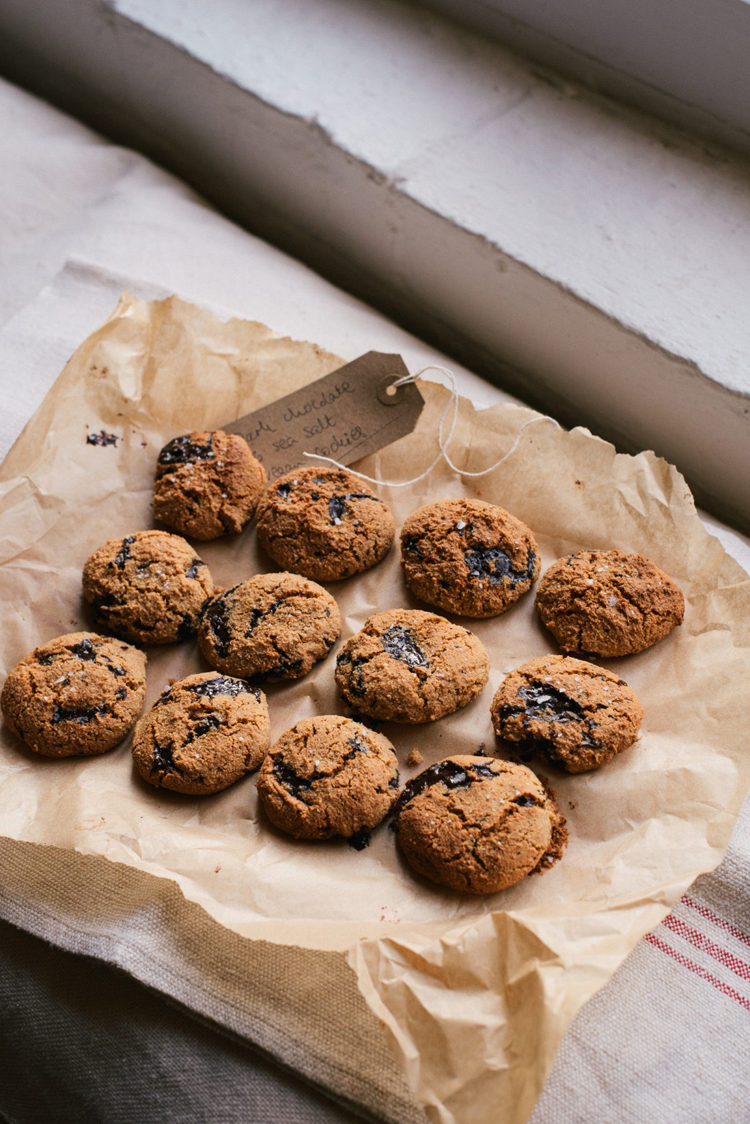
(389, 394)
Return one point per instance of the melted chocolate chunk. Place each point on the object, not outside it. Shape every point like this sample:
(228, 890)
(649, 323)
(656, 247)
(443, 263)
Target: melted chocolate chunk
(84, 651)
(337, 504)
(47, 658)
(194, 567)
(357, 745)
(400, 643)
(444, 772)
(360, 839)
(550, 704)
(124, 554)
(102, 438)
(121, 693)
(164, 697)
(257, 615)
(222, 685)
(411, 546)
(284, 489)
(83, 715)
(493, 565)
(290, 778)
(216, 615)
(524, 801)
(119, 671)
(164, 760)
(210, 722)
(186, 627)
(182, 450)
(356, 682)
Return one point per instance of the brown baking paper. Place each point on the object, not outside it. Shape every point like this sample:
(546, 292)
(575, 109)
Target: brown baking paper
(475, 994)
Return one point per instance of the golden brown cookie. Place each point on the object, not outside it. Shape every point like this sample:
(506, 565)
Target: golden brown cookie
(329, 776)
(208, 483)
(273, 626)
(324, 523)
(77, 694)
(202, 734)
(405, 665)
(478, 825)
(468, 557)
(149, 587)
(575, 714)
(608, 602)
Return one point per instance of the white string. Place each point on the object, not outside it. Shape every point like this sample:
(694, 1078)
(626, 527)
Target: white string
(443, 442)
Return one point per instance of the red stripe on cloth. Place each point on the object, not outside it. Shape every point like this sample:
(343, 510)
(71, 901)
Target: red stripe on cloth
(709, 915)
(698, 940)
(693, 967)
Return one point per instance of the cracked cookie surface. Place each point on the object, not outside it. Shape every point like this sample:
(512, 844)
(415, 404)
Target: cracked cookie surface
(208, 484)
(148, 587)
(202, 734)
(478, 824)
(406, 665)
(577, 715)
(329, 776)
(608, 603)
(78, 694)
(468, 557)
(273, 626)
(324, 523)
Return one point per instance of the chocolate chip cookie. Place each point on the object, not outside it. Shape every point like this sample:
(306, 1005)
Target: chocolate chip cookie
(478, 825)
(324, 523)
(202, 734)
(608, 602)
(78, 694)
(468, 557)
(149, 587)
(575, 714)
(329, 776)
(274, 626)
(405, 665)
(207, 484)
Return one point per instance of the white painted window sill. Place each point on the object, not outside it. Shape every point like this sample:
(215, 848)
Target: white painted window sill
(581, 256)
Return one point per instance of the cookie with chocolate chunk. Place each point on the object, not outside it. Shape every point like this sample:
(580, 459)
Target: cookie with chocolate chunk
(608, 602)
(478, 825)
(324, 523)
(273, 626)
(149, 587)
(405, 665)
(78, 694)
(202, 734)
(468, 557)
(575, 714)
(208, 483)
(329, 776)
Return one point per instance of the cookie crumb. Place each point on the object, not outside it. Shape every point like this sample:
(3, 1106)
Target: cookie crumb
(414, 758)
(102, 438)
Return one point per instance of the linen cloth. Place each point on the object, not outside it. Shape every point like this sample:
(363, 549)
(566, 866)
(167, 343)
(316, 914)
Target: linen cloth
(660, 1041)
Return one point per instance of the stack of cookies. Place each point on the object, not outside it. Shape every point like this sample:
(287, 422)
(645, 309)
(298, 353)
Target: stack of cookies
(469, 823)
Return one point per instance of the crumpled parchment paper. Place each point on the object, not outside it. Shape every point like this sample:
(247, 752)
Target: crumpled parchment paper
(475, 994)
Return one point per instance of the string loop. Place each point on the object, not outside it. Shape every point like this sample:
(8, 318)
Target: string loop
(443, 441)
